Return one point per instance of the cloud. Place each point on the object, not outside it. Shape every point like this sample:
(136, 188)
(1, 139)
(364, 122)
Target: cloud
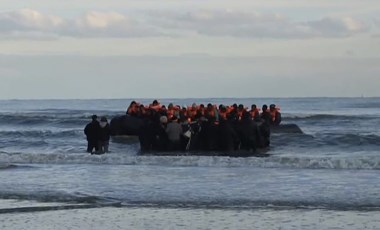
(27, 23)
(33, 24)
(335, 27)
(27, 19)
(258, 25)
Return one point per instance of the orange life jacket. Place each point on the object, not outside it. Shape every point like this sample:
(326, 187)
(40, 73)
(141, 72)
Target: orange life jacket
(192, 112)
(155, 107)
(274, 113)
(255, 113)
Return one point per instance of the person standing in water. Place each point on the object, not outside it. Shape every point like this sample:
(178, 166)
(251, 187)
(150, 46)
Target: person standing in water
(104, 135)
(92, 131)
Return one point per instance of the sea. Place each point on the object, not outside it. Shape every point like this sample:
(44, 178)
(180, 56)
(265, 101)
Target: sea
(326, 178)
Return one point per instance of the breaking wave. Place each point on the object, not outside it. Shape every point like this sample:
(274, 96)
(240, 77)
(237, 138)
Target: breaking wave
(274, 161)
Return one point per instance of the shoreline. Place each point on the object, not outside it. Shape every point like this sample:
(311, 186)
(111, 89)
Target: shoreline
(186, 218)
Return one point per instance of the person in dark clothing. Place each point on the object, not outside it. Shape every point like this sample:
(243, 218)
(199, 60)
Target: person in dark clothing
(265, 114)
(146, 134)
(92, 131)
(227, 137)
(255, 115)
(212, 139)
(104, 135)
(161, 139)
(204, 134)
(247, 130)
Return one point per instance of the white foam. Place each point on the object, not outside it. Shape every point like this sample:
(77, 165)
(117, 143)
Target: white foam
(278, 161)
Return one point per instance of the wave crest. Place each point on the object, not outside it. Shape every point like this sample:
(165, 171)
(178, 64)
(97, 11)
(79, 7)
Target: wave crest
(278, 161)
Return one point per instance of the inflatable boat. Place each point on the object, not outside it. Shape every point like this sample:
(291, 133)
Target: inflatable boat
(128, 129)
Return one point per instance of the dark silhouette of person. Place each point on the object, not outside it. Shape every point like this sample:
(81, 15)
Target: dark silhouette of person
(248, 132)
(104, 135)
(92, 132)
(161, 139)
(227, 136)
(265, 114)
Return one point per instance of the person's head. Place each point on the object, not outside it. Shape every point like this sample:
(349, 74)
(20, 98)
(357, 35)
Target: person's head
(223, 109)
(103, 122)
(235, 106)
(272, 107)
(265, 107)
(155, 102)
(209, 106)
(134, 105)
(241, 107)
(94, 117)
(170, 106)
(194, 106)
(253, 107)
(163, 120)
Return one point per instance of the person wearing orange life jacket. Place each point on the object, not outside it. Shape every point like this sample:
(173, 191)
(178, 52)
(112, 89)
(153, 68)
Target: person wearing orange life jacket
(133, 109)
(240, 111)
(183, 114)
(171, 111)
(210, 113)
(233, 113)
(141, 111)
(192, 111)
(201, 110)
(255, 112)
(222, 112)
(275, 115)
(155, 106)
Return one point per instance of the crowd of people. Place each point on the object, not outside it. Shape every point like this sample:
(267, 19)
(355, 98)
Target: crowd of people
(196, 127)
(204, 127)
(98, 135)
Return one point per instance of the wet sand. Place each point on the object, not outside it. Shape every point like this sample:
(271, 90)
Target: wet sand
(186, 218)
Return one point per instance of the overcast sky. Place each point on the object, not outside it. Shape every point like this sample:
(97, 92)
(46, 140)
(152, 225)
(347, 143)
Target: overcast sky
(189, 48)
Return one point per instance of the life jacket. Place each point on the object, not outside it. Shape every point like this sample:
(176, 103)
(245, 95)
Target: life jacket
(274, 113)
(192, 112)
(255, 113)
(133, 110)
(240, 114)
(229, 109)
(155, 107)
(210, 112)
(170, 113)
(173, 111)
(201, 111)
